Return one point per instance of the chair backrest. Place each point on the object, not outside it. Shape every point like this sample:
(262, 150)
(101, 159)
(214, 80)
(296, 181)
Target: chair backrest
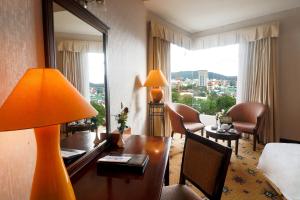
(188, 113)
(205, 165)
(176, 119)
(247, 112)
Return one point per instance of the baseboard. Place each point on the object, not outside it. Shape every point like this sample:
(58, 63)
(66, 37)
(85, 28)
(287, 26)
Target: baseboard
(284, 140)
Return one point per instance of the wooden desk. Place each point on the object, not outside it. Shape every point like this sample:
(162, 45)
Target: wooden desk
(124, 186)
(83, 141)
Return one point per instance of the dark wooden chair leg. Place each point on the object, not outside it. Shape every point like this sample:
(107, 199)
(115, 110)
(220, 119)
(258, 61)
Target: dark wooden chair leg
(236, 147)
(254, 142)
(167, 173)
(172, 133)
(180, 135)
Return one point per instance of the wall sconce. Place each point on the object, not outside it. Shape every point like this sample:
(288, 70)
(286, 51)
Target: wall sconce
(85, 3)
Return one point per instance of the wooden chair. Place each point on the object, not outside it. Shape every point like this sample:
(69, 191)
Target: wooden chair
(248, 118)
(184, 118)
(205, 165)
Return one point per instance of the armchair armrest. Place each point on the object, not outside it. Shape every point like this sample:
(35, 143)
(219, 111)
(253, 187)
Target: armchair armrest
(176, 121)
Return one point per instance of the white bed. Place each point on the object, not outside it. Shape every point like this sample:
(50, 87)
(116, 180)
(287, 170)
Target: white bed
(280, 163)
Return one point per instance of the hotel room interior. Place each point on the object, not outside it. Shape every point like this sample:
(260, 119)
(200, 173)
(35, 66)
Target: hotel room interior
(123, 100)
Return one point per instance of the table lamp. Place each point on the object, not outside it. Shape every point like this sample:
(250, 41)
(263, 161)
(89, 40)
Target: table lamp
(156, 80)
(43, 99)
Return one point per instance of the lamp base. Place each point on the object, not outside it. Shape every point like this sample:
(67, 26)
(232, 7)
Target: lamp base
(157, 94)
(51, 180)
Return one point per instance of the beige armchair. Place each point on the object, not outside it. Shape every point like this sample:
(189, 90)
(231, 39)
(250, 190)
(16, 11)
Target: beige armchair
(184, 118)
(248, 118)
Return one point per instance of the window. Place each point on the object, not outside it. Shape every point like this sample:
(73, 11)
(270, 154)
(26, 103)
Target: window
(205, 79)
(95, 63)
(95, 68)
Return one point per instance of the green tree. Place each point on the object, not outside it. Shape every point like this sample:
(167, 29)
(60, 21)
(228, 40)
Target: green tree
(186, 99)
(175, 95)
(188, 87)
(225, 102)
(208, 106)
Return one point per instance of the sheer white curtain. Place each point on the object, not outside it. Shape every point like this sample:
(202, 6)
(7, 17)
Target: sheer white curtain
(258, 81)
(73, 67)
(242, 71)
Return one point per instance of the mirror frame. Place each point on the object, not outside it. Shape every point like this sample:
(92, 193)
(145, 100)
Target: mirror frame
(50, 61)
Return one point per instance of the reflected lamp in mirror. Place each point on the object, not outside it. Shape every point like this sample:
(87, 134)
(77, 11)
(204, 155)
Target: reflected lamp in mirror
(43, 99)
(156, 80)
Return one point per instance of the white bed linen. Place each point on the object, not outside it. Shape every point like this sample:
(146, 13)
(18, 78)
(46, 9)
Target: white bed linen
(280, 162)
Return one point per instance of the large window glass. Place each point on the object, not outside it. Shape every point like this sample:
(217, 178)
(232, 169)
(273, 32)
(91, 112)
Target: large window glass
(205, 79)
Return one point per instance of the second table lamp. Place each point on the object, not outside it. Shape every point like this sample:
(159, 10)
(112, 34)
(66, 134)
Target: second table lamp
(156, 80)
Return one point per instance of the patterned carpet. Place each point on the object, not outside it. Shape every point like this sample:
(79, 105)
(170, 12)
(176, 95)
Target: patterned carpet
(243, 180)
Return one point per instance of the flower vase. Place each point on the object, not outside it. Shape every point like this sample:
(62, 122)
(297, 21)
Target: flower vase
(121, 142)
(217, 122)
(96, 140)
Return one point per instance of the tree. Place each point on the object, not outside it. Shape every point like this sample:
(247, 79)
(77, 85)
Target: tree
(210, 106)
(175, 95)
(225, 102)
(186, 99)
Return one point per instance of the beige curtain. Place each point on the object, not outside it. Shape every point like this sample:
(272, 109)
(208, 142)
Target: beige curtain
(259, 77)
(80, 46)
(248, 34)
(71, 64)
(159, 58)
(166, 33)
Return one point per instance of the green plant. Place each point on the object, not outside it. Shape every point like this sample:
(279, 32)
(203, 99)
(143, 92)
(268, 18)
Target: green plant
(100, 118)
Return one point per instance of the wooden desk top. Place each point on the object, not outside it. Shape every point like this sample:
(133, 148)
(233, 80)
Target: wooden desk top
(125, 186)
(83, 140)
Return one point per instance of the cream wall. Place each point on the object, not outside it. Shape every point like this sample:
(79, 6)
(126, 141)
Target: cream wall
(21, 40)
(21, 47)
(127, 56)
(289, 66)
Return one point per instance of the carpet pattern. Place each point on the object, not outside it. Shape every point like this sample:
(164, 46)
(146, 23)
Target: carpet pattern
(243, 180)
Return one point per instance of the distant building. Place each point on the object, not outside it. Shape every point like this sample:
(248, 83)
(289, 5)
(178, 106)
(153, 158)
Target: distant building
(203, 78)
(186, 94)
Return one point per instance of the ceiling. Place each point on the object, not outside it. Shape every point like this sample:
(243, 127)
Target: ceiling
(200, 15)
(66, 22)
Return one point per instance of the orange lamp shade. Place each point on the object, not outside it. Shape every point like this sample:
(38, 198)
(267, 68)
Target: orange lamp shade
(156, 79)
(43, 97)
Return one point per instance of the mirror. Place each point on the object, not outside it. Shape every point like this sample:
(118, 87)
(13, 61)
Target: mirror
(75, 42)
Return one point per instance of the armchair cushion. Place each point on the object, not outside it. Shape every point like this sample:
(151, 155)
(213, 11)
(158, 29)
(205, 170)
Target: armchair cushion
(244, 127)
(193, 126)
(178, 192)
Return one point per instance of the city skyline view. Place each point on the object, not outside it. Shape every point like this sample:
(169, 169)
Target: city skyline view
(205, 79)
